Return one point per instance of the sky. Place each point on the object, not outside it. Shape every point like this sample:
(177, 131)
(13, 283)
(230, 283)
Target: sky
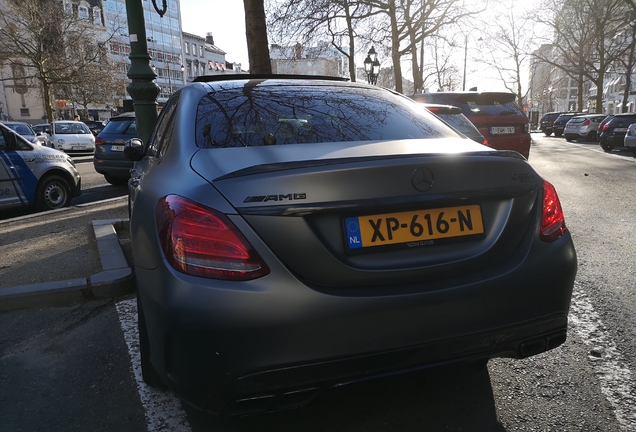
(225, 19)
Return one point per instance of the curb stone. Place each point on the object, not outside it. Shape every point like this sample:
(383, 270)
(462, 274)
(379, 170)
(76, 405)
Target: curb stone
(115, 279)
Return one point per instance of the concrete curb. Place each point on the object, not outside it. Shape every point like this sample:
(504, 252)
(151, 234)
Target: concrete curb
(115, 279)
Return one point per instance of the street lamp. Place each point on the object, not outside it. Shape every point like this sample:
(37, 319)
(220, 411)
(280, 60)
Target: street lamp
(465, 58)
(372, 66)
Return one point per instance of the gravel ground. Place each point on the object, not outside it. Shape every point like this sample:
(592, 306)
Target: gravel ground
(53, 246)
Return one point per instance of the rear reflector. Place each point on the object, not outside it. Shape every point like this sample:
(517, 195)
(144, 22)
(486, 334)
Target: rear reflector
(552, 218)
(201, 241)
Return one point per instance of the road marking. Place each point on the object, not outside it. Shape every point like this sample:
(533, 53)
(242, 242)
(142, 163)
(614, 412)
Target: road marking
(163, 409)
(598, 150)
(608, 363)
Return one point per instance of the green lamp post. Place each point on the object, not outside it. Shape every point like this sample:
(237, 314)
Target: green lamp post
(143, 90)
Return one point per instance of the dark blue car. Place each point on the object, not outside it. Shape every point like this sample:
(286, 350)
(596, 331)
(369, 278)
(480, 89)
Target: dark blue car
(109, 159)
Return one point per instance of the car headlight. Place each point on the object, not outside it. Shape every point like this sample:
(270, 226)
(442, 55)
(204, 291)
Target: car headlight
(60, 141)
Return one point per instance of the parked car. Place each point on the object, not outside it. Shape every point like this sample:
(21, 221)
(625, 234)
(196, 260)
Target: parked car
(615, 130)
(559, 124)
(601, 133)
(497, 116)
(34, 175)
(454, 117)
(25, 130)
(70, 135)
(109, 159)
(630, 138)
(95, 126)
(45, 130)
(583, 127)
(547, 121)
(293, 233)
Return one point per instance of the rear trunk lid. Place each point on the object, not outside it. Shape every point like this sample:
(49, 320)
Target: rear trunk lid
(381, 214)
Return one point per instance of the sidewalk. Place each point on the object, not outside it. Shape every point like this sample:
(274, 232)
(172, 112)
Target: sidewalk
(65, 256)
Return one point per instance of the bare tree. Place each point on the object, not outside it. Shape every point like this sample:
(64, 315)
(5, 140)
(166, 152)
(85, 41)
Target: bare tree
(256, 31)
(45, 42)
(584, 44)
(508, 42)
(310, 22)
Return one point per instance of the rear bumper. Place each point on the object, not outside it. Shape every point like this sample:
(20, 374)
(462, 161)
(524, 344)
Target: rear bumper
(271, 344)
(114, 167)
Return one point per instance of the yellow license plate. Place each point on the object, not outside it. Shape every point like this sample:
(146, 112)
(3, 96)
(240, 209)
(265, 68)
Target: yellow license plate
(413, 226)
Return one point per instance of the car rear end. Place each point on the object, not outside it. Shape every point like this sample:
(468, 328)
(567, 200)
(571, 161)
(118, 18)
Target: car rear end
(630, 138)
(270, 272)
(547, 122)
(109, 159)
(495, 114)
(615, 131)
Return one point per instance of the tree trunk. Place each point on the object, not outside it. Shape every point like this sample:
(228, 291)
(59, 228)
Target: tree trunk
(256, 32)
(352, 51)
(395, 47)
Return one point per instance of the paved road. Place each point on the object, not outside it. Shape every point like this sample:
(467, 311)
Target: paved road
(76, 368)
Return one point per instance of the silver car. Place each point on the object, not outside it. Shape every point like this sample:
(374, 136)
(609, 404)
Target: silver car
(291, 234)
(630, 138)
(583, 127)
(27, 132)
(34, 175)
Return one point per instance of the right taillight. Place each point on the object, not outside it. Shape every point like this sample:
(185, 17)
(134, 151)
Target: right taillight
(604, 127)
(99, 141)
(552, 218)
(201, 241)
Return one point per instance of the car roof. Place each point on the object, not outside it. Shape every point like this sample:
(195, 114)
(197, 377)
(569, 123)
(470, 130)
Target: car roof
(125, 115)
(239, 77)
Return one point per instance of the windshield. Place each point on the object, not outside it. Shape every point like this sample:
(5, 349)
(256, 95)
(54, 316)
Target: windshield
(21, 129)
(274, 115)
(121, 127)
(71, 128)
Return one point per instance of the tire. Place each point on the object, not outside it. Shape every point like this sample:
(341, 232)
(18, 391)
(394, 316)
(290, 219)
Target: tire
(148, 372)
(558, 134)
(591, 136)
(568, 139)
(52, 193)
(115, 181)
(547, 133)
(606, 147)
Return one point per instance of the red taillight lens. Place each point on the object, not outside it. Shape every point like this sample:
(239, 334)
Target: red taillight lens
(604, 127)
(200, 241)
(486, 142)
(552, 219)
(586, 123)
(99, 141)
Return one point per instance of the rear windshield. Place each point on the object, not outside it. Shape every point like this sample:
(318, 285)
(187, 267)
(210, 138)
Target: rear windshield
(460, 122)
(286, 114)
(121, 127)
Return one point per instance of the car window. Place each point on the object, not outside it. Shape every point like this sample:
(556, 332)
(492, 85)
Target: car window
(459, 122)
(275, 115)
(22, 129)
(162, 133)
(578, 120)
(478, 104)
(3, 143)
(121, 127)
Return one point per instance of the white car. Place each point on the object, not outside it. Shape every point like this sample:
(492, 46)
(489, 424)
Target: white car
(70, 135)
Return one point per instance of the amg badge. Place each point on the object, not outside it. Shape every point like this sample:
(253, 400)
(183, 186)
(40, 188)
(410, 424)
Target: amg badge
(279, 197)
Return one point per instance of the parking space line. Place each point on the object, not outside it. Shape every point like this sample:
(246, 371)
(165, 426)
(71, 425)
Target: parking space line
(163, 409)
(609, 365)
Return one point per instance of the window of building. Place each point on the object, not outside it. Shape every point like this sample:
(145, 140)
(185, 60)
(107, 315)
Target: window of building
(82, 11)
(24, 112)
(187, 47)
(68, 8)
(194, 50)
(201, 51)
(97, 16)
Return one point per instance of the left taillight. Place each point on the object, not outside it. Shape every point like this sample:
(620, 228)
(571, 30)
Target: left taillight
(200, 241)
(552, 218)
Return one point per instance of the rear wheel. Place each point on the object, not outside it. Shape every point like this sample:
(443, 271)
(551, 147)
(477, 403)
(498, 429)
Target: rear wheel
(591, 136)
(547, 133)
(52, 193)
(558, 134)
(568, 139)
(606, 147)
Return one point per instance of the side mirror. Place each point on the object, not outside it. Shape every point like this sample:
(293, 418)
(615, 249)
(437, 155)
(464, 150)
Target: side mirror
(134, 150)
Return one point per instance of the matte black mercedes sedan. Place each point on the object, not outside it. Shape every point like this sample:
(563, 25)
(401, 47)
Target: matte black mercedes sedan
(291, 234)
